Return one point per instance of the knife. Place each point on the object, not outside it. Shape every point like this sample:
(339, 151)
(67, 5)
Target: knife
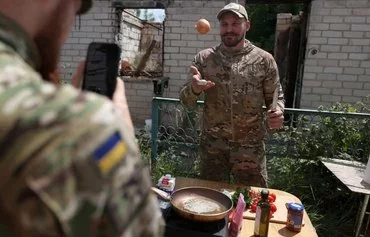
(275, 99)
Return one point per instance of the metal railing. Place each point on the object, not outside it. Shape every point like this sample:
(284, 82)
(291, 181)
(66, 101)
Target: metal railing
(307, 133)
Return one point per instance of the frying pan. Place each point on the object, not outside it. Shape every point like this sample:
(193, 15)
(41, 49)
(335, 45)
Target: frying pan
(198, 203)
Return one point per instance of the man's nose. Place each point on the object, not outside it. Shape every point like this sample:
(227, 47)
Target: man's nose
(229, 29)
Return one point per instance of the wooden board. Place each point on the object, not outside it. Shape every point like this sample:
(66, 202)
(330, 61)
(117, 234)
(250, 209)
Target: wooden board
(350, 173)
(280, 216)
(275, 229)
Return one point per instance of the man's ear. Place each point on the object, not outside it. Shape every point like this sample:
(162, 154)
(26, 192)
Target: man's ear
(247, 25)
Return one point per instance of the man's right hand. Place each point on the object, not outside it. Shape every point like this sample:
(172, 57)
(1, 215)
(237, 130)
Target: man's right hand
(197, 83)
(119, 99)
(119, 96)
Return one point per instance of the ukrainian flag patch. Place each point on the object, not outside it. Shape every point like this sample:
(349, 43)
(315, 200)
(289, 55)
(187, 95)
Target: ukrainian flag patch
(112, 151)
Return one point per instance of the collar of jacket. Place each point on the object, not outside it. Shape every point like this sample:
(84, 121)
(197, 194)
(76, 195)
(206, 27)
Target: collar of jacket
(248, 47)
(13, 35)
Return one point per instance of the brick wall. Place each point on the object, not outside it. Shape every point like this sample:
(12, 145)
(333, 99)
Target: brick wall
(130, 34)
(337, 66)
(181, 41)
(100, 24)
(339, 30)
(139, 93)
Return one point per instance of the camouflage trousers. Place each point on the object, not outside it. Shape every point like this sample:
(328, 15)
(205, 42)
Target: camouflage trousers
(223, 160)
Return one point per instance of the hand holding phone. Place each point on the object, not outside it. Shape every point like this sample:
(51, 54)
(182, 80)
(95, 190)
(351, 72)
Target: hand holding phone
(101, 68)
(100, 76)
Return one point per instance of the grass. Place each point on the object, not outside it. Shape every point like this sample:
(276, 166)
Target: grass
(332, 208)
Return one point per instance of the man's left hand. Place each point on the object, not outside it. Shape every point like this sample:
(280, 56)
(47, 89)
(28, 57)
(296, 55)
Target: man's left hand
(275, 118)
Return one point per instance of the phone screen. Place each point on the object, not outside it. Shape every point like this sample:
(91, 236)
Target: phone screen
(101, 68)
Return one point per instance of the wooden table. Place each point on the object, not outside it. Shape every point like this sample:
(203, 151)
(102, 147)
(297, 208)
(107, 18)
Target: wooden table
(351, 173)
(275, 229)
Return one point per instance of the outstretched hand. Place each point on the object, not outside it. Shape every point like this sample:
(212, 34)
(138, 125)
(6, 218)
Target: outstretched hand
(198, 84)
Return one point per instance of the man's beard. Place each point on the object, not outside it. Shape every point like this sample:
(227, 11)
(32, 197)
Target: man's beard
(231, 43)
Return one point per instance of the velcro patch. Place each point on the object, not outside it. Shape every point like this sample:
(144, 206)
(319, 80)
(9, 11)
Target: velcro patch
(112, 151)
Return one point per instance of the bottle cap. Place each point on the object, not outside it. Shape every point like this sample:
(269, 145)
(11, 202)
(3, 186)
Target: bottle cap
(295, 206)
(264, 193)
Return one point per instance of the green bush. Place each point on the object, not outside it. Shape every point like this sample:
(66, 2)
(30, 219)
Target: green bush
(331, 206)
(171, 159)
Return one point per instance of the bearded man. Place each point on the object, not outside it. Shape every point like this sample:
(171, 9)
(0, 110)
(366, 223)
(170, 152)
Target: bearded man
(238, 80)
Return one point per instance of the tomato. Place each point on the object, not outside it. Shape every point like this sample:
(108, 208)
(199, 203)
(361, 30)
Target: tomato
(271, 199)
(252, 193)
(254, 207)
(273, 207)
(255, 200)
(273, 195)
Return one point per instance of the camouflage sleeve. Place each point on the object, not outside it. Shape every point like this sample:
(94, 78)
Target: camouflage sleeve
(108, 174)
(63, 150)
(271, 82)
(187, 96)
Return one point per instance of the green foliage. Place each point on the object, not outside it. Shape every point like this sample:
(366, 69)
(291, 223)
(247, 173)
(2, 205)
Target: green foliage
(263, 22)
(245, 192)
(171, 159)
(330, 205)
(176, 162)
(341, 137)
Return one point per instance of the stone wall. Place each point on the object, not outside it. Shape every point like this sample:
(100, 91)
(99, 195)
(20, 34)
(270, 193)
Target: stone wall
(337, 66)
(130, 35)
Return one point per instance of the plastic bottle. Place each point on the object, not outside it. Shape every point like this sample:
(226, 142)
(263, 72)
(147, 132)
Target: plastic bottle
(237, 220)
(261, 225)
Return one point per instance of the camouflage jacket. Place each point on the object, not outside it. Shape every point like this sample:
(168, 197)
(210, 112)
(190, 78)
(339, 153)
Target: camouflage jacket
(245, 82)
(68, 165)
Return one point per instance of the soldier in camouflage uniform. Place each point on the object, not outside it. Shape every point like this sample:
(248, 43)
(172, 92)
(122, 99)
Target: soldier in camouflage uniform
(240, 81)
(69, 164)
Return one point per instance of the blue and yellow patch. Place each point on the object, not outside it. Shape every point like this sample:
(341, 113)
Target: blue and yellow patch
(112, 151)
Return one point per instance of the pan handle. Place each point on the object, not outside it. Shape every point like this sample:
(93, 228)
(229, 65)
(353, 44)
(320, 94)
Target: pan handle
(161, 194)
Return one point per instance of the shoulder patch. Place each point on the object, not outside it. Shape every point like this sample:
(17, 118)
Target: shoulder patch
(112, 151)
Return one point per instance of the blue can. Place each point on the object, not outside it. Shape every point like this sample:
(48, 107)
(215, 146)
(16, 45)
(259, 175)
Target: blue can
(295, 216)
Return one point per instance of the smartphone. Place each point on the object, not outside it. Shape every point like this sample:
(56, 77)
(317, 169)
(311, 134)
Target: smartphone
(101, 68)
